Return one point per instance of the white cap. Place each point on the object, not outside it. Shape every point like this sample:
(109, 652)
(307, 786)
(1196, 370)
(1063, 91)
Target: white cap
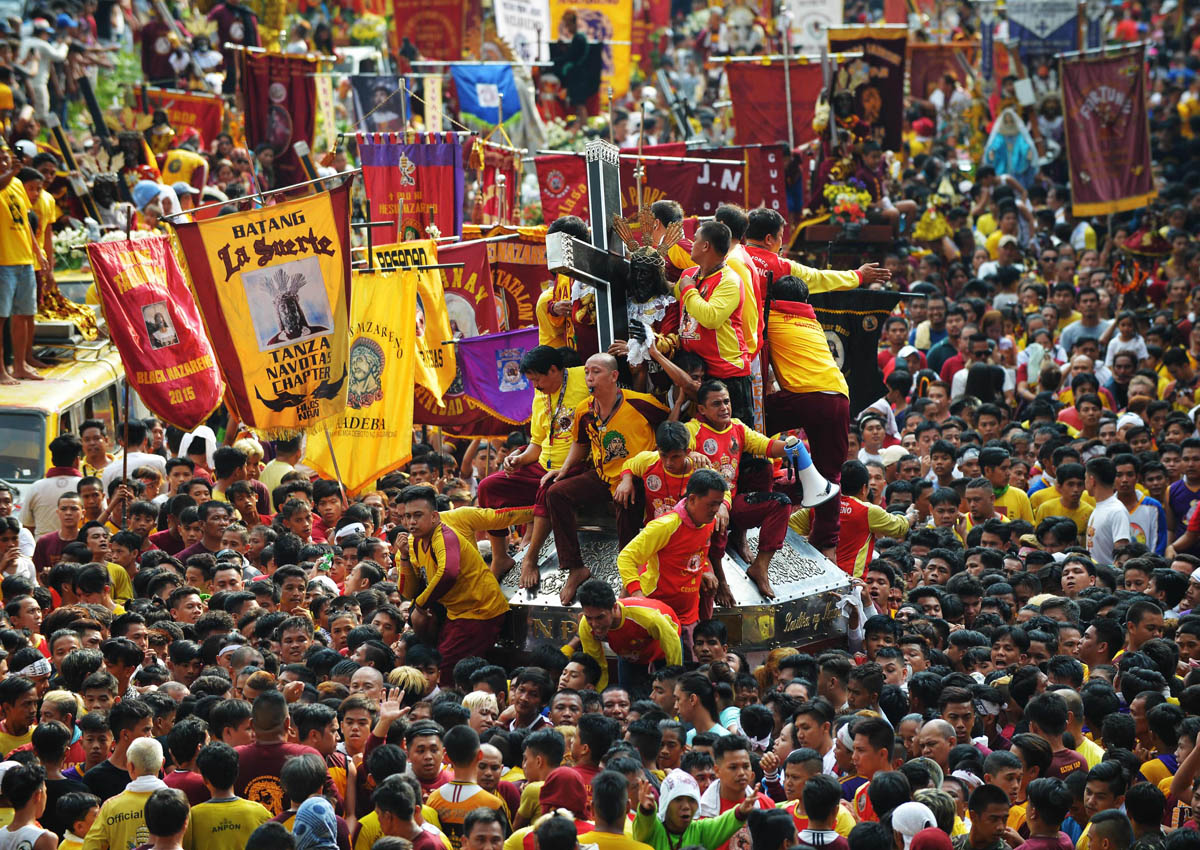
(26, 148)
(892, 454)
(1129, 420)
(907, 351)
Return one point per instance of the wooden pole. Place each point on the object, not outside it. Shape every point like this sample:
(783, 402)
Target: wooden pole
(1081, 24)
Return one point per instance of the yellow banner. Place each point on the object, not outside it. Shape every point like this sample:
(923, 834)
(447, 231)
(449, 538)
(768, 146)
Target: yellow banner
(374, 436)
(604, 21)
(272, 285)
(436, 364)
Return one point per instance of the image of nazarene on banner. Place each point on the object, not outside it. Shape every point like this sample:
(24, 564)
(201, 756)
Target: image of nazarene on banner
(273, 287)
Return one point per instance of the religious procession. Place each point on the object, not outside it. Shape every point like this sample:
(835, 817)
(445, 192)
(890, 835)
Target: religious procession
(599, 425)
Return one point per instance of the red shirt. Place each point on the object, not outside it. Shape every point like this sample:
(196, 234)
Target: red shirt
(168, 541)
(630, 640)
(190, 783)
(259, 765)
(741, 838)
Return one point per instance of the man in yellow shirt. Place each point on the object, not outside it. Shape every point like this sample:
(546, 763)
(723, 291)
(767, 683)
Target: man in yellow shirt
(610, 427)
(812, 395)
(122, 817)
(518, 483)
(995, 464)
(18, 708)
(438, 561)
(225, 820)
(19, 255)
(1070, 503)
(610, 804)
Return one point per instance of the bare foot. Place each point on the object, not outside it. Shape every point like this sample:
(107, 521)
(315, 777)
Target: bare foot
(7, 379)
(531, 576)
(25, 374)
(757, 573)
(725, 597)
(34, 363)
(575, 578)
(502, 562)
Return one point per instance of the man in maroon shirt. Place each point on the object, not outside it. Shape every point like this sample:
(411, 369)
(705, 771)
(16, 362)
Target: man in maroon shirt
(214, 519)
(395, 803)
(170, 540)
(260, 763)
(595, 735)
(1047, 716)
(49, 547)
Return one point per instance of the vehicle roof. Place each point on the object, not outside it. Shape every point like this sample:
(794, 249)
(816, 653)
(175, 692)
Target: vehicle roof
(66, 382)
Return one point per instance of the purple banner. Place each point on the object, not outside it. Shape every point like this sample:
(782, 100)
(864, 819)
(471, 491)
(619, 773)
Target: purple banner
(490, 366)
(415, 185)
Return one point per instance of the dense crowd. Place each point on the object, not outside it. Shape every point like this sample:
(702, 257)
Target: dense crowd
(206, 645)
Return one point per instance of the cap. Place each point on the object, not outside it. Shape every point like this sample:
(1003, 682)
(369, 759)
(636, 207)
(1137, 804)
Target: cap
(42, 25)
(907, 351)
(145, 192)
(892, 454)
(1007, 240)
(65, 20)
(26, 148)
(1128, 420)
(182, 188)
(349, 530)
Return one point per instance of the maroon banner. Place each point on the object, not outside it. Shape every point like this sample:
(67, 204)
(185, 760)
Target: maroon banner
(201, 112)
(488, 209)
(929, 62)
(470, 298)
(877, 79)
(1107, 132)
(414, 184)
(562, 180)
(434, 27)
(156, 328)
(518, 273)
(281, 108)
(759, 116)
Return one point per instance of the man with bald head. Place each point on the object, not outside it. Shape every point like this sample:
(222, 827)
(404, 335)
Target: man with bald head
(610, 426)
(367, 682)
(935, 740)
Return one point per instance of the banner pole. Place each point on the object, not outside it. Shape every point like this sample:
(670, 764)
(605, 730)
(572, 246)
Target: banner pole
(1081, 25)
(787, 76)
(336, 470)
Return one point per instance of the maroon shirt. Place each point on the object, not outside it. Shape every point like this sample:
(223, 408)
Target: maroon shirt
(190, 783)
(47, 549)
(168, 541)
(197, 548)
(1065, 762)
(259, 765)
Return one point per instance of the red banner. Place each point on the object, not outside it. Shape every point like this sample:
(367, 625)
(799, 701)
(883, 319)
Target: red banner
(156, 328)
(281, 108)
(470, 298)
(1107, 132)
(413, 184)
(518, 273)
(754, 177)
(562, 180)
(488, 198)
(203, 113)
(756, 90)
(928, 63)
(434, 27)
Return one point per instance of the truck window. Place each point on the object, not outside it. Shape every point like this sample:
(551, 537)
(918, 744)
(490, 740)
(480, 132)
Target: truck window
(22, 446)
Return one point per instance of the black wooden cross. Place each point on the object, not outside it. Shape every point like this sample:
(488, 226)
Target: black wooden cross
(601, 264)
(370, 226)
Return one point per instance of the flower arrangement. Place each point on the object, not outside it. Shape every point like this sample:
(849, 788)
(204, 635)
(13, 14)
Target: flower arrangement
(531, 214)
(65, 243)
(848, 201)
(368, 30)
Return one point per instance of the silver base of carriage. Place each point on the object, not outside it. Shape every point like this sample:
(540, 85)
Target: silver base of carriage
(807, 586)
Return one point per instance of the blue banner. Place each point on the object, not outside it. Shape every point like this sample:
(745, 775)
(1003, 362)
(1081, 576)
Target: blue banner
(483, 90)
(1043, 28)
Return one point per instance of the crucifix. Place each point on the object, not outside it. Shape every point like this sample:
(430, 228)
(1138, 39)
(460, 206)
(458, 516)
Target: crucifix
(602, 263)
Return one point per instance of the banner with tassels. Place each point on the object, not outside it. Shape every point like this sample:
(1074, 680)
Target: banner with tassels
(491, 373)
(273, 288)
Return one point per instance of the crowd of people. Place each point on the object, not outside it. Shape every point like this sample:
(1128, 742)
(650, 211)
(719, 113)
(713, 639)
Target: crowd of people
(206, 645)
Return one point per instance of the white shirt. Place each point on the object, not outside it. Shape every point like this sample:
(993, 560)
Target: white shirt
(40, 511)
(136, 459)
(26, 542)
(1108, 525)
(1135, 346)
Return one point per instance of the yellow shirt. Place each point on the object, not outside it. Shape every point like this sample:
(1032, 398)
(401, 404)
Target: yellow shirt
(16, 236)
(448, 568)
(1155, 771)
(122, 587)
(740, 262)
(47, 213)
(608, 841)
(8, 742)
(180, 164)
(628, 431)
(1092, 752)
(1054, 507)
(552, 417)
(70, 842)
(800, 355)
(552, 330)
(1047, 493)
(224, 824)
(1014, 504)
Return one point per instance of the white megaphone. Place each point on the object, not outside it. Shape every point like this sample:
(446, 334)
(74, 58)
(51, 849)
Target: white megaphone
(816, 489)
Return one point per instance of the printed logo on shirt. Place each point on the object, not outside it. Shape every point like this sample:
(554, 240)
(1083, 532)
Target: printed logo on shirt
(266, 790)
